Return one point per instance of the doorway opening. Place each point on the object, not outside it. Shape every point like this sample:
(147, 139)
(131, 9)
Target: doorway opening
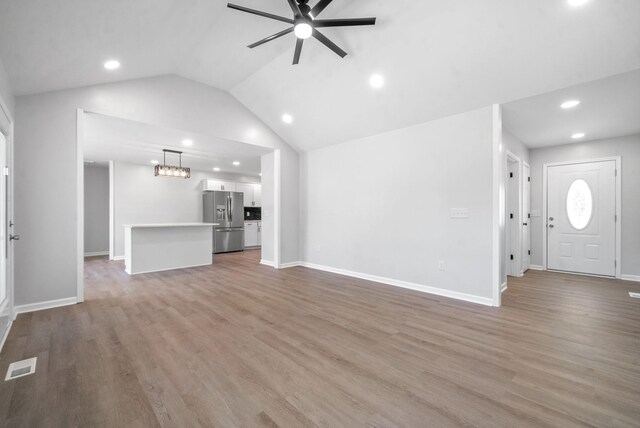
(517, 215)
(120, 188)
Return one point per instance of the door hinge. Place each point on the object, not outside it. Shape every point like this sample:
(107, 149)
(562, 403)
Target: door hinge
(528, 178)
(615, 263)
(529, 215)
(616, 172)
(511, 256)
(529, 252)
(615, 218)
(510, 215)
(511, 175)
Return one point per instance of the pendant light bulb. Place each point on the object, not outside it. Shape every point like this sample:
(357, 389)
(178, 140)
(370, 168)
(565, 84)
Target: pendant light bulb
(303, 30)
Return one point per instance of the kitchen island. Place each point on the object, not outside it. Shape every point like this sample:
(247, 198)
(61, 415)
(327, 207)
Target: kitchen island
(167, 246)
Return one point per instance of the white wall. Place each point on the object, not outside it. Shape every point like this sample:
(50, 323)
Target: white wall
(46, 135)
(626, 147)
(381, 205)
(96, 209)
(6, 93)
(514, 145)
(141, 197)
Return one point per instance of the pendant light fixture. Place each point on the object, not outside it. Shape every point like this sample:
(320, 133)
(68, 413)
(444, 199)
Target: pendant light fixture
(165, 170)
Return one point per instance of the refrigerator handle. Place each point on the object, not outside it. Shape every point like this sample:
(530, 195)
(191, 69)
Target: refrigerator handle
(229, 209)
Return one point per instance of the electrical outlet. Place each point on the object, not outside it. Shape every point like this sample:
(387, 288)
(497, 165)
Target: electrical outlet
(440, 264)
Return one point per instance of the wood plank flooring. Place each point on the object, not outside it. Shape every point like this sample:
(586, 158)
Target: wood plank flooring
(239, 344)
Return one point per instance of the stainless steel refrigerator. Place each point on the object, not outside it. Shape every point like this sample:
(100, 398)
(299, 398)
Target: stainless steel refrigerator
(226, 209)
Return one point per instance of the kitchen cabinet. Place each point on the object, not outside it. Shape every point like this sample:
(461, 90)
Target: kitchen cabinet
(247, 189)
(260, 233)
(257, 195)
(251, 234)
(252, 193)
(227, 186)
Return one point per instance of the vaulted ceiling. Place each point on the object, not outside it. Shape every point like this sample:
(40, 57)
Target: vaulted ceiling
(437, 57)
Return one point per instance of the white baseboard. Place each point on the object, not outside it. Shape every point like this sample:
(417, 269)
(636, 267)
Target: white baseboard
(503, 287)
(536, 267)
(404, 284)
(32, 307)
(98, 253)
(290, 265)
(267, 263)
(630, 277)
(118, 258)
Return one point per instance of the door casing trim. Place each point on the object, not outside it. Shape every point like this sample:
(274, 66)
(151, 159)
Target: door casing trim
(618, 244)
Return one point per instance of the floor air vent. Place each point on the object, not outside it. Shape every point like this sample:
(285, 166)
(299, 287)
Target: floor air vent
(21, 368)
(635, 295)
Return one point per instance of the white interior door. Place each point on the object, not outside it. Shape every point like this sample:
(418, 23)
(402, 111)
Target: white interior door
(581, 209)
(526, 218)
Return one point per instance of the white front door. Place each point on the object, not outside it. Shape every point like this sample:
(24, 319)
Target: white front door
(526, 218)
(581, 209)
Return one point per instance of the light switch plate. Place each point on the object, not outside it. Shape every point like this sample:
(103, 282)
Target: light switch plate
(459, 212)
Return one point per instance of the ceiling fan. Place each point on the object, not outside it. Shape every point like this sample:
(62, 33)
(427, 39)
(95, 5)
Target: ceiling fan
(306, 25)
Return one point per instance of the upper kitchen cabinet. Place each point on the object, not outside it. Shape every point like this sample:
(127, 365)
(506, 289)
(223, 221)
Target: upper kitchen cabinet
(227, 186)
(257, 195)
(252, 193)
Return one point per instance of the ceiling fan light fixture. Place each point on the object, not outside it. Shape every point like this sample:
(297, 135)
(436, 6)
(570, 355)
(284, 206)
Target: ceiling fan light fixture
(303, 30)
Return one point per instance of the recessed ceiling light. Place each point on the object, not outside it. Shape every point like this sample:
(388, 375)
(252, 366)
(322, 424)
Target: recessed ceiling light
(155, 162)
(376, 81)
(112, 64)
(578, 135)
(576, 2)
(286, 118)
(187, 143)
(216, 169)
(236, 163)
(569, 104)
(303, 30)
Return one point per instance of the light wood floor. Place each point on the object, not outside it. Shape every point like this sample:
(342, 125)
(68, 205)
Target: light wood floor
(239, 344)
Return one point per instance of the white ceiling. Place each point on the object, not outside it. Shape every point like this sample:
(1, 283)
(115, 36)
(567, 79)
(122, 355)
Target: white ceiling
(49, 45)
(109, 138)
(438, 57)
(608, 108)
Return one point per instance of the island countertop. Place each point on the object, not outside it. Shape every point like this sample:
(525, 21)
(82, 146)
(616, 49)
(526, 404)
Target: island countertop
(167, 246)
(170, 225)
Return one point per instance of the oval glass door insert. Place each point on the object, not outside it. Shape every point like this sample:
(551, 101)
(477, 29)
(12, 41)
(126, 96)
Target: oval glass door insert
(579, 204)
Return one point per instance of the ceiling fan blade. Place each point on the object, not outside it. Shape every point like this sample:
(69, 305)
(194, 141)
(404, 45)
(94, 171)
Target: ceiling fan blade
(294, 7)
(328, 43)
(349, 22)
(271, 37)
(319, 7)
(296, 55)
(260, 13)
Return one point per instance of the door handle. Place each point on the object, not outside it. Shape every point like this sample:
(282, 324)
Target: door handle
(551, 226)
(14, 237)
(524, 224)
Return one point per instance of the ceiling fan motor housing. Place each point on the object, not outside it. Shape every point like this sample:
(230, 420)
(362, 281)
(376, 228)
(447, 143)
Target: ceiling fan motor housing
(304, 7)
